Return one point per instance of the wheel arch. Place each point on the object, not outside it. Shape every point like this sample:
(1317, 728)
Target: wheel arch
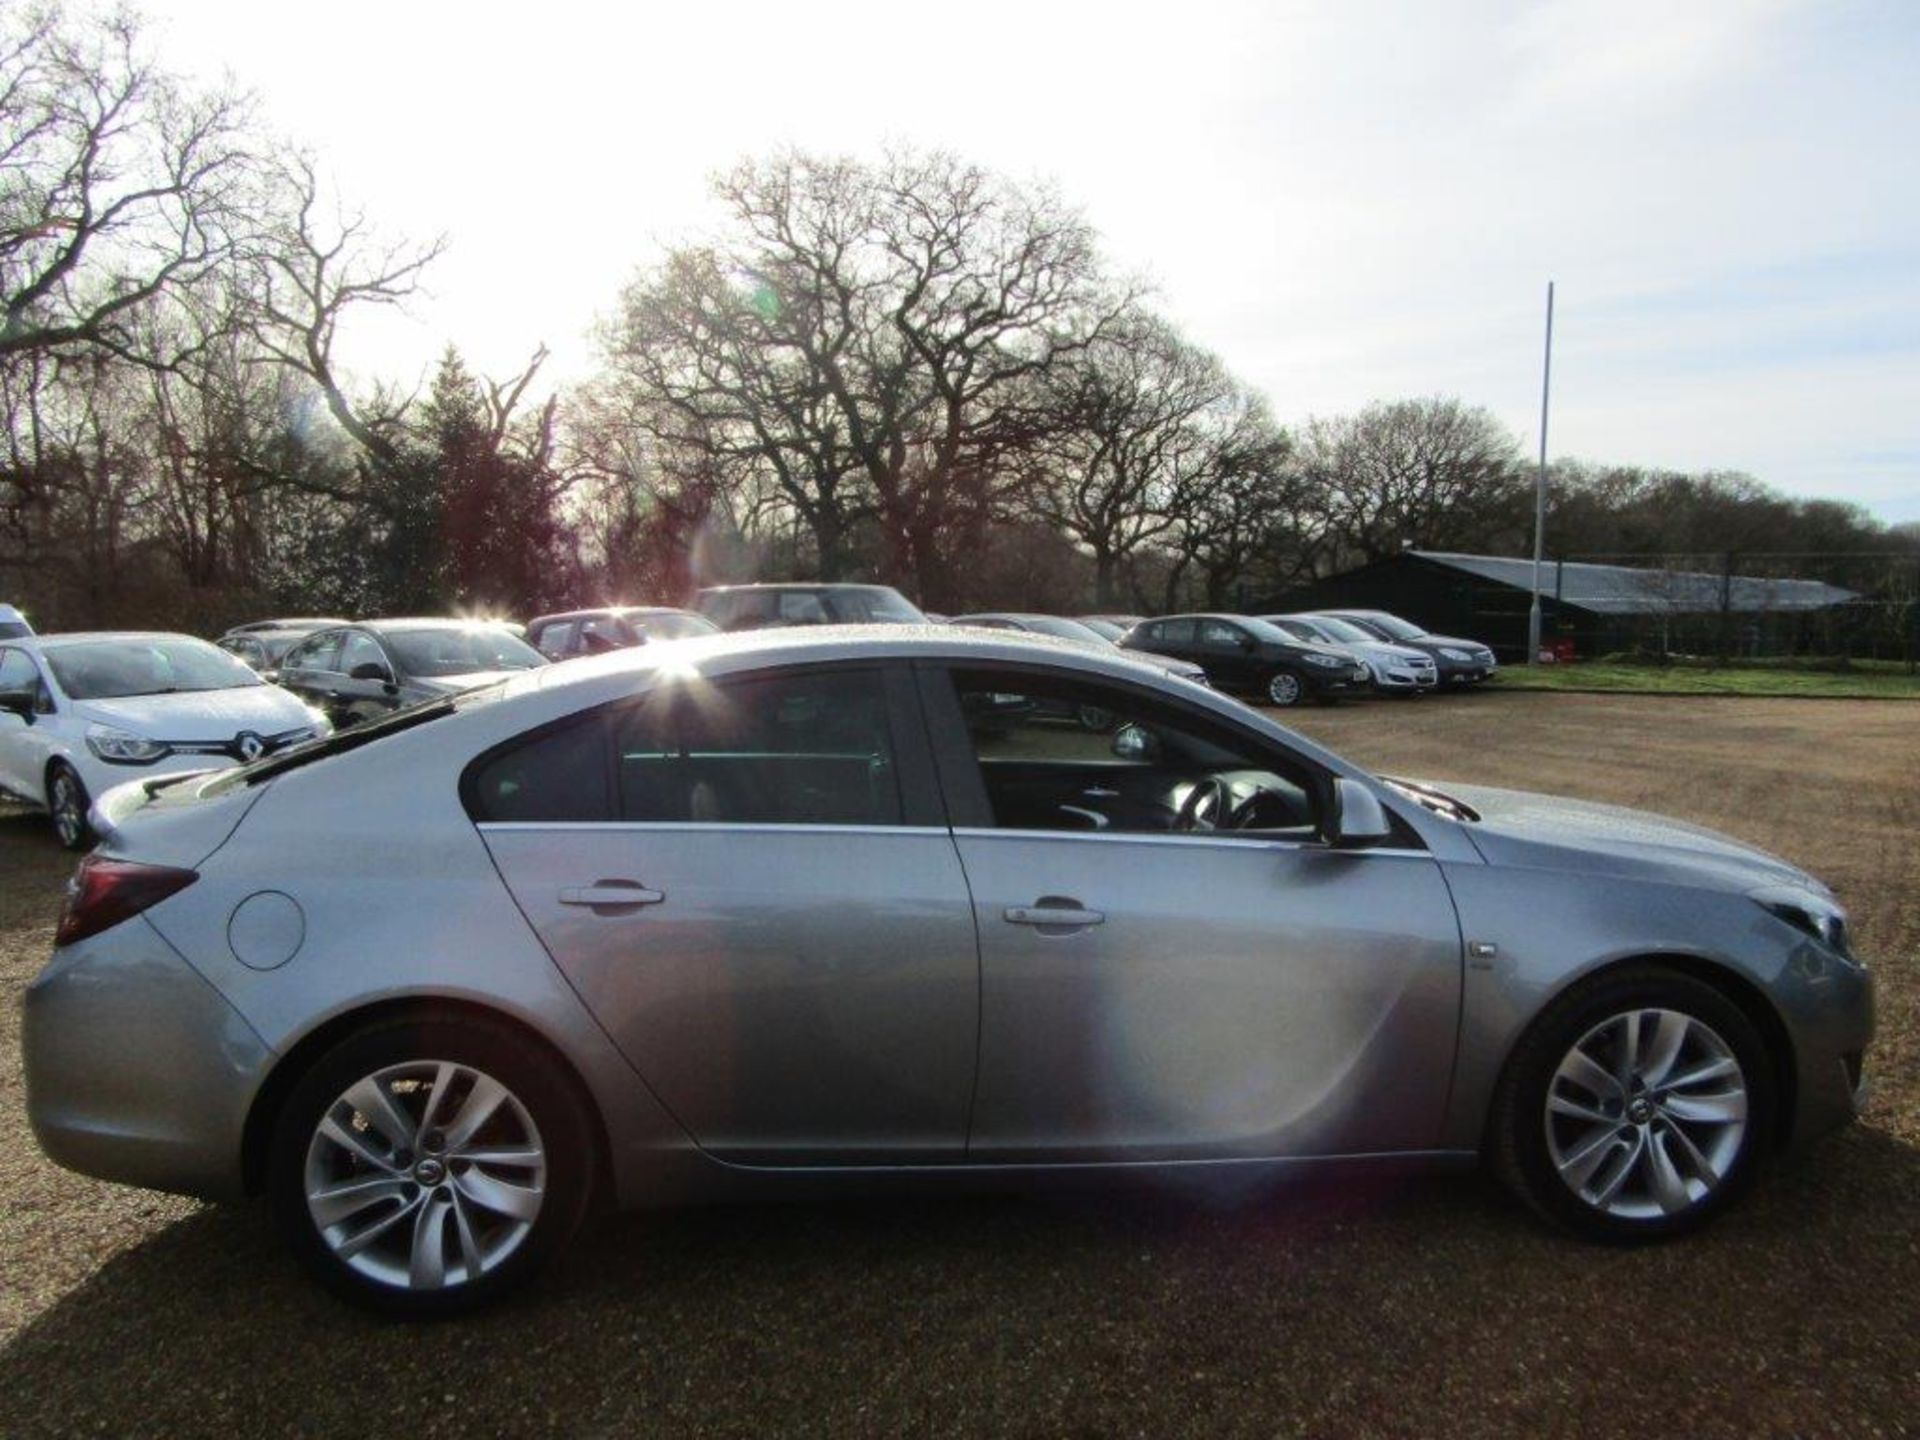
(1730, 983)
(257, 1133)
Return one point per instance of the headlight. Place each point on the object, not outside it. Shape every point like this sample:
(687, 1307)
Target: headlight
(1324, 660)
(1811, 914)
(119, 747)
(1453, 654)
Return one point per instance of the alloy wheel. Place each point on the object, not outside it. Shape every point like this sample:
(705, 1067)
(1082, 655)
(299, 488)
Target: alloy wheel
(425, 1175)
(1646, 1114)
(68, 807)
(1284, 688)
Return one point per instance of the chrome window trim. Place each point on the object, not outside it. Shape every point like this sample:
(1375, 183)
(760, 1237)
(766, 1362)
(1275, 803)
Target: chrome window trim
(702, 827)
(1247, 840)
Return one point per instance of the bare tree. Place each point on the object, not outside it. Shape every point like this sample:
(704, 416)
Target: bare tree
(1431, 472)
(120, 185)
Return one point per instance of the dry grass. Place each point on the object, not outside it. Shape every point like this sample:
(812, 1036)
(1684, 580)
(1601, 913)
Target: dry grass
(1426, 1307)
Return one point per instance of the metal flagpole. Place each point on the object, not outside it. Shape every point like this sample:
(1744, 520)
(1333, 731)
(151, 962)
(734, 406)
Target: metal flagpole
(1540, 491)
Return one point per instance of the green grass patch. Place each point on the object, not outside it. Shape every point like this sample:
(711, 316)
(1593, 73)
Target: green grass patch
(1861, 680)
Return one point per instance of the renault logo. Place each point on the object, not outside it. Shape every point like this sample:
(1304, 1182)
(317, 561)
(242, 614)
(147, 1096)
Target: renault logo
(250, 745)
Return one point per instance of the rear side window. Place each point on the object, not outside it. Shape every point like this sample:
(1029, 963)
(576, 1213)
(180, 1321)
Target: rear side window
(559, 774)
(1174, 632)
(809, 748)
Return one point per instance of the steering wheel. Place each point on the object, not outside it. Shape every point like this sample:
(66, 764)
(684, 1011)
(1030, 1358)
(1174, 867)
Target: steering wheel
(1204, 807)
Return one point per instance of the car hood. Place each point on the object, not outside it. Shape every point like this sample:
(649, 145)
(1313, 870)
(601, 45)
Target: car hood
(200, 714)
(1456, 643)
(1168, 663)
(1517, 827)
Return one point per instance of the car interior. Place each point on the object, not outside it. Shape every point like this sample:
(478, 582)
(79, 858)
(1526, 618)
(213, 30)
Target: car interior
(1062, 756)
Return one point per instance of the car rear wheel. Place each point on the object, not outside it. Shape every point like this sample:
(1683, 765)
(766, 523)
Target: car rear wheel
(67, 802)
(1636, 1108)
(423, 1169)
(1284, 688)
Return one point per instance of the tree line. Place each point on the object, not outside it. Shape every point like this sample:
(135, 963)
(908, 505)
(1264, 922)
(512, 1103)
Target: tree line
(908, 369)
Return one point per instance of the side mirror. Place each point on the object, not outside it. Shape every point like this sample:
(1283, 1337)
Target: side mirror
(1136, 742)
(1359, 819)
(371, 670)
(17, 702)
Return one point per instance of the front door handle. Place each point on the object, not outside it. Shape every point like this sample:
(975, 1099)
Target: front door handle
(610, 897)
(1056, 913)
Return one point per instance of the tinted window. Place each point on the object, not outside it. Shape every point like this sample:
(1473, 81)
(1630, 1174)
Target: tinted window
(361, 649)
(809, 748)
(1175, 632)
(558, 775)
(1220, 635)
(555, 638)
(444, 650)
(318, 653)
(601, 633)
(108, 669)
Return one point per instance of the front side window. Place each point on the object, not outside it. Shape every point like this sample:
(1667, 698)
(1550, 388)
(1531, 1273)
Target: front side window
(555, 639)
(361, 649)
(1219, 635)
(601, 633)
(667, 625)
(113, 669)
(319, 653)
(1057, 753)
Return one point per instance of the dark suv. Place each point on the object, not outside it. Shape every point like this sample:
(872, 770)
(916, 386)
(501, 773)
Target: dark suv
(614, 627)
(1250, 656)
(765, 607)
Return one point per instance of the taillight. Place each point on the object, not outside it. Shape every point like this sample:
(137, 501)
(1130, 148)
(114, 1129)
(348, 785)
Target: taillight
(102, 893)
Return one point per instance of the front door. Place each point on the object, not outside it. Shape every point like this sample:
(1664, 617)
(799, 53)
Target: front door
(753, 892)
(1173, 963)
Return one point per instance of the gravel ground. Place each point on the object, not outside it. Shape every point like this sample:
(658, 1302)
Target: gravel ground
(1392, 1308)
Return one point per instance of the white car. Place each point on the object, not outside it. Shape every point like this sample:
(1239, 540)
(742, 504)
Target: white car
(82, 713)
(1399, 668)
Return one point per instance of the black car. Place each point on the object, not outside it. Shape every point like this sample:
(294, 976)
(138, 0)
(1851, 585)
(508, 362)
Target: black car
(1251, 657)
(613, 627)
(765, 607)
(361, 672)
(1460, 662)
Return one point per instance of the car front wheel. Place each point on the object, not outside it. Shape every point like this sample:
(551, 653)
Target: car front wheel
(1285, 688)
(1636, 1108)
(67, 802)
(422, 1169)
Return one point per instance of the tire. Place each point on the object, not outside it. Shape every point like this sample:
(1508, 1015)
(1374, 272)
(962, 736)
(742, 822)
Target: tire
(67, 804)
(1645, 1138)
(1285, 689)
(397, 1215)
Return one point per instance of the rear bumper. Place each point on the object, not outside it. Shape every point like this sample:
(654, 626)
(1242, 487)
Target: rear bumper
(136, 1069)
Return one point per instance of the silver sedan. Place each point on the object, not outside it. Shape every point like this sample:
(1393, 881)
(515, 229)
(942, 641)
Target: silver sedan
(764, 913)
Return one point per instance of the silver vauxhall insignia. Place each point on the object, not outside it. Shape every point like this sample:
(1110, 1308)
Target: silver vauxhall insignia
(746, 915)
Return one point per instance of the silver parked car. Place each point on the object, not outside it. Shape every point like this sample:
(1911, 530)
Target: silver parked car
(761, 913)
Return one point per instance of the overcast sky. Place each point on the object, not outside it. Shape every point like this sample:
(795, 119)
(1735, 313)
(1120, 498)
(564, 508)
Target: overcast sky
(1347, 200)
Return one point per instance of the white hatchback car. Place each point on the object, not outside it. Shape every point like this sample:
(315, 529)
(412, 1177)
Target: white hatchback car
(82, 713)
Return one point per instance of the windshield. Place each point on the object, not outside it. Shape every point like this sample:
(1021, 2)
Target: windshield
(872, 604)
(1065, 629)
(1106, 629)
(445, 650)
(666, 625)
(1392, 626)
(1343, 630)
(116, 669)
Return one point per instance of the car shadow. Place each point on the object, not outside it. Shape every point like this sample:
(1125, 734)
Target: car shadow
(1333, 1305)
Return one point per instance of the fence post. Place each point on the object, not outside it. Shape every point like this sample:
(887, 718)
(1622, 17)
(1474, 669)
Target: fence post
(1726, 609)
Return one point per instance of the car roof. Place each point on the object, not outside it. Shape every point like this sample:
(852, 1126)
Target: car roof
(616, 610)
(426, 622)
(796, 585)
(88, 637)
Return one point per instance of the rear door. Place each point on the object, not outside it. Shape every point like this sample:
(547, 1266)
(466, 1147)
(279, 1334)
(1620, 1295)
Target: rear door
(750, 883)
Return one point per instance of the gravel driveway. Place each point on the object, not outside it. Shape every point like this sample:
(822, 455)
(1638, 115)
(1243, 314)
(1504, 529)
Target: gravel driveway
(1429, 1306)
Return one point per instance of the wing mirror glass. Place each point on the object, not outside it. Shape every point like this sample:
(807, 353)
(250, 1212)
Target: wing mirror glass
(1136, 742)
(1359, 817)
(371, 670)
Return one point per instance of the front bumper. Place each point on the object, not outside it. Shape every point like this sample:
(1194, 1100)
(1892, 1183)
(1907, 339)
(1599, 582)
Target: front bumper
(1829, 1006)
(137, 1070)
(1336, 679)
(1394, 678)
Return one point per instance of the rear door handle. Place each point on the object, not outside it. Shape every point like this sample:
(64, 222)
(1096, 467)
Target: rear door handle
(1050, 913)
(606, 896)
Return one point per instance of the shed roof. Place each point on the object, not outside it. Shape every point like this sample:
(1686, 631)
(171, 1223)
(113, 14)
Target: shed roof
(1630, 590)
